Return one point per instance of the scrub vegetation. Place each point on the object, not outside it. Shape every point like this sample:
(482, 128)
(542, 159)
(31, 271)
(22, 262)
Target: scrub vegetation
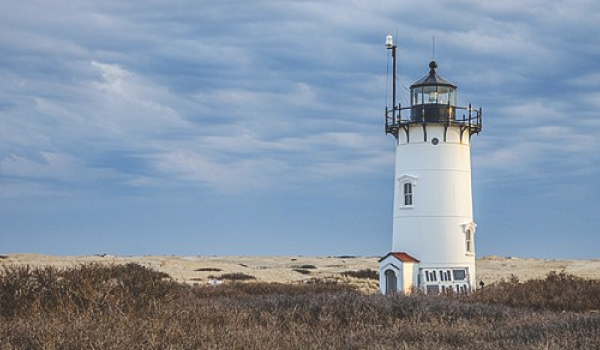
(368, 274)
(208, 269)
(236, 276)
(133, 307)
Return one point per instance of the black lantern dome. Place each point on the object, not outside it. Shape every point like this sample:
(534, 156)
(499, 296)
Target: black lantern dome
(433, 98)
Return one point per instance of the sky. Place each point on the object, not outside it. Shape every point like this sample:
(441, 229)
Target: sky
(230, 127)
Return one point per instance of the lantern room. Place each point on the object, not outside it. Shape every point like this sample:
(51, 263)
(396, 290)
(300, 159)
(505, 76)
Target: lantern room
(433, 98)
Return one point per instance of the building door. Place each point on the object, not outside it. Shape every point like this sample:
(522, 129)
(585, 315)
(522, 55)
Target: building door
(391, 282)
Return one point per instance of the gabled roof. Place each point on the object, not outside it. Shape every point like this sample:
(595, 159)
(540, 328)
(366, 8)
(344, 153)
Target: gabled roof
(402, 256)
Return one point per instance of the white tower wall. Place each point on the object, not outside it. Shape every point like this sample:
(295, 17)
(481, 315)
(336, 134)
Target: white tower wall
(437, 224)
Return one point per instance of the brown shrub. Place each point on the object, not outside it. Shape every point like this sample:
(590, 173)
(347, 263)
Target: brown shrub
(304, 267)
(83, 289)
(368, 274)
(237, 276)
(557, 292)
(263, 316)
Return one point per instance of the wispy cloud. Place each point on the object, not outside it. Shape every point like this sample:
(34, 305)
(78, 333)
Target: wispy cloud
(246, 98)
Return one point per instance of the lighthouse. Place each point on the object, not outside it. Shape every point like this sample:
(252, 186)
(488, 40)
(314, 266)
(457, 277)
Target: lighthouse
(433, 244)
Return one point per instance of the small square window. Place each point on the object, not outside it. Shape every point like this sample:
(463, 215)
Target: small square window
(459, 275)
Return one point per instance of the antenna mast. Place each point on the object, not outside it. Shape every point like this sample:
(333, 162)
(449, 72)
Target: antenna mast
(389, 44)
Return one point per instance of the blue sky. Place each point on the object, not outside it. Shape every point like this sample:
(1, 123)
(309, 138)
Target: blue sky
(256, 128)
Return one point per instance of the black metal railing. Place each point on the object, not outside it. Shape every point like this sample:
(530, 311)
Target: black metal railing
(402, 117)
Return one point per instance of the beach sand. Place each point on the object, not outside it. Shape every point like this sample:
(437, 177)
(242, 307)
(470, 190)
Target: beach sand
(281, 269)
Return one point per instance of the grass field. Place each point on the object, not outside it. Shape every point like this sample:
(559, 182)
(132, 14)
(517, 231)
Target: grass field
(133, 307)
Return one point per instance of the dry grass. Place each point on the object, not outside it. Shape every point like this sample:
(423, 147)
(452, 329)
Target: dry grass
(86, 289)
(558, 292)
(132, 307)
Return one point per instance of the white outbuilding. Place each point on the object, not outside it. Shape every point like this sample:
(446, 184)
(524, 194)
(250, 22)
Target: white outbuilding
(433, 245)
(399, 273)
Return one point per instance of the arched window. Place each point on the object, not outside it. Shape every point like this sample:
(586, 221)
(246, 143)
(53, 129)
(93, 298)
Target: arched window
(469, 230)
(408, 194)
(469, 241)
(406, 191)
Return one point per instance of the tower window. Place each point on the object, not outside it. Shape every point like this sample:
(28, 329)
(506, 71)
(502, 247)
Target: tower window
(469, 230)
(408, 194)
(406, 191)
(469, 241)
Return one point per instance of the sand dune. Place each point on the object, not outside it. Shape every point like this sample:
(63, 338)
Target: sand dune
(283, 269)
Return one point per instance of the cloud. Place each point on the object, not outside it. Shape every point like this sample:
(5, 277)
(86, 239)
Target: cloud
(208, 95)
(258, 99)
(131, 105)
(245, 162)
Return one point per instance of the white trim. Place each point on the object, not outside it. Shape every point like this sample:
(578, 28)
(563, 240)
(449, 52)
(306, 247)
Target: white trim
(471, 225)
(408, 178)
(390, 265)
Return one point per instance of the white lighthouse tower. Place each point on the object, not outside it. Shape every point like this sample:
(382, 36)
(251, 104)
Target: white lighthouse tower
(433, 246)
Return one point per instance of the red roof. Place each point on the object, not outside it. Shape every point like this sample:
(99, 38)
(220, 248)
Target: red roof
(404, 257)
